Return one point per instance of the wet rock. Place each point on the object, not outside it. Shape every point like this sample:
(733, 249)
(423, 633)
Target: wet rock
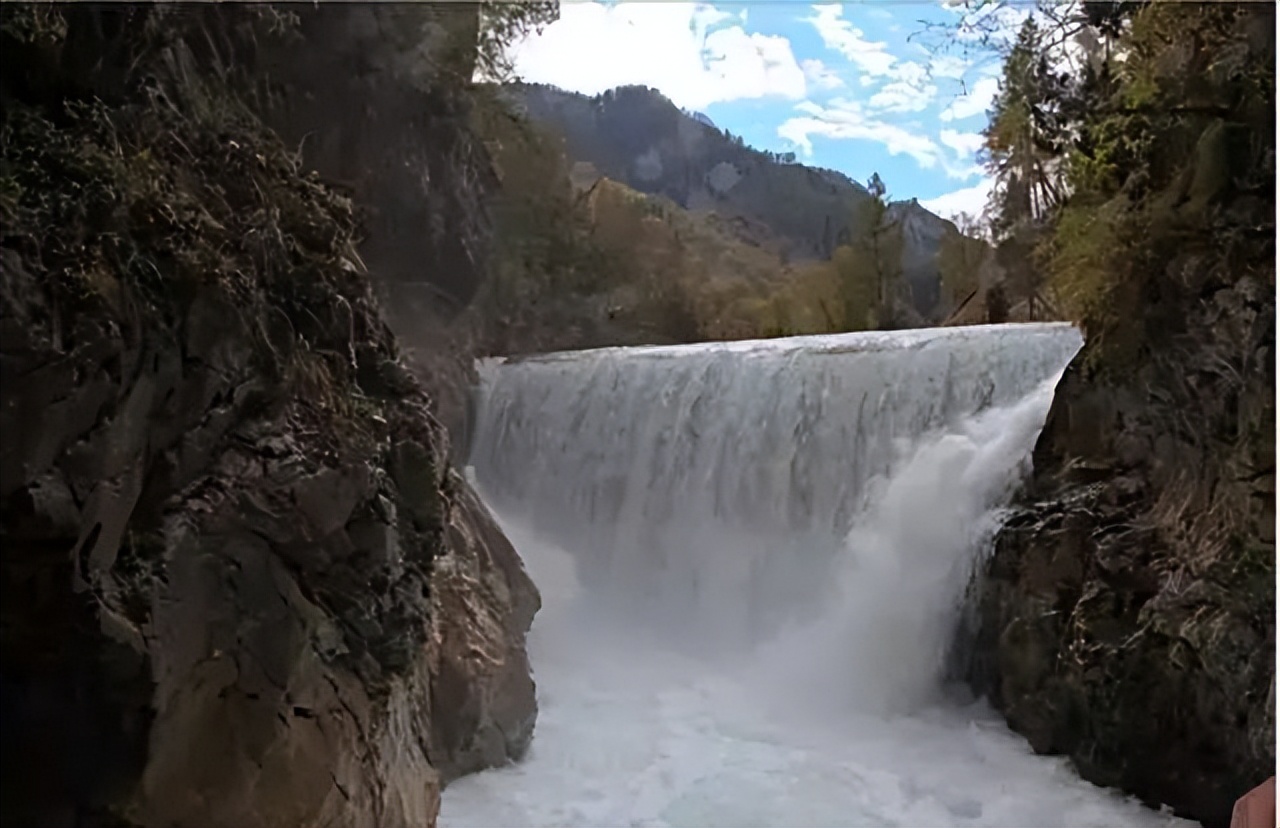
(482, 691)
(1127, 613)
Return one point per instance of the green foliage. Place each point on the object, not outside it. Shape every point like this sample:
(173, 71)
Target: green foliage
(960, 259)
(870, 265)
(503, 24)
(859, 285)
(604, 264)
(1085, 253)
(1157, 151)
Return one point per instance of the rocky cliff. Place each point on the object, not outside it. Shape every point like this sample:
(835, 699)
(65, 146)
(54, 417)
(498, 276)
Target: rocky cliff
(1127, 614)
(242, 584)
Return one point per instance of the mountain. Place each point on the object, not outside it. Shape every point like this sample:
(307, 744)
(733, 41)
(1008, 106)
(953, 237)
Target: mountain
(923, 234)
(636, 136)
(702, 118)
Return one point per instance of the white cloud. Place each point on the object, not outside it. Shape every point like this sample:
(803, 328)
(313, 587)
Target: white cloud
(910, 72)
(840, 35)
(694, 54)
(970, 201)
(980, 98)
(709, 15)
(906, 83)
(902, 97)
(965, 144)
(846, 119)
(909, 91)
(820, 76)
(948, 66)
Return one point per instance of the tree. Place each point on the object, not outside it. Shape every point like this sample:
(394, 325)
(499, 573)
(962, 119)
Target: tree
(502, 25)
(1026, 137)
(870, 266)
(1025, 143)
(856, 272)
(997, 305)
(960, 259)
(875, 186)
(884, 239)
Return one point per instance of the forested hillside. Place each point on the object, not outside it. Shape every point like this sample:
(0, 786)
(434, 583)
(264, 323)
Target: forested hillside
(590, 249)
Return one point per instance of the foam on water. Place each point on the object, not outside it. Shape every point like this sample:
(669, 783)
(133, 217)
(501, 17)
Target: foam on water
(752, 558)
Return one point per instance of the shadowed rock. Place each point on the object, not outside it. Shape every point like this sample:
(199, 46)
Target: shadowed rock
(241, 585)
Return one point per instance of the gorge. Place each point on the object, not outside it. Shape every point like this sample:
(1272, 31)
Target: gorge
(753, 557)
(262, 565)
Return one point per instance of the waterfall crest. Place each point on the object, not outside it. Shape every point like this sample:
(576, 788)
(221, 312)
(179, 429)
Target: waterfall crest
(707, 491)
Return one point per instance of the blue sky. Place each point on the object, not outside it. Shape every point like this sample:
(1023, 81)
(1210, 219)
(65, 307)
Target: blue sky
(857, 87)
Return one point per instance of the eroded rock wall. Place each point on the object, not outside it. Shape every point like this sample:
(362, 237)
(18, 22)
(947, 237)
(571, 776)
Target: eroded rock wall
(1128, 613)
(241, 583)
(1127, 617)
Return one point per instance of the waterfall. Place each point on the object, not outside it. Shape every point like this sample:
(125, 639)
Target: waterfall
(752, 557)
(707, 491)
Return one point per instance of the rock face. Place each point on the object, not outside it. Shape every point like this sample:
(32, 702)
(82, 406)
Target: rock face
(922, 235)
(374, 98)
(483, 605)
(241, 584)
(1127, 617)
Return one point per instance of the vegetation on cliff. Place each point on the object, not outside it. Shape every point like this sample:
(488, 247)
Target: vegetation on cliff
(1128, 618)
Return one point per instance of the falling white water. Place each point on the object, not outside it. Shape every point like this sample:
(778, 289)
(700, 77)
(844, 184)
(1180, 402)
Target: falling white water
(752, 557)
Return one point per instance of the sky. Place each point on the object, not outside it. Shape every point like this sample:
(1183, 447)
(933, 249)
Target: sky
(879, 86)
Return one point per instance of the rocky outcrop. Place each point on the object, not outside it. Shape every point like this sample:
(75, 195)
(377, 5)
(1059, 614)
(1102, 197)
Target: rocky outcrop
(1127, 614)
(922, 236)
(382, 108)
(241, 583)
(483, 605)
(1127, 617)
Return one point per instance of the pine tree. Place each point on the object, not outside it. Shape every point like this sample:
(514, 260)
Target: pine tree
(1026, 140)
(870, 267)
(1026, 136)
